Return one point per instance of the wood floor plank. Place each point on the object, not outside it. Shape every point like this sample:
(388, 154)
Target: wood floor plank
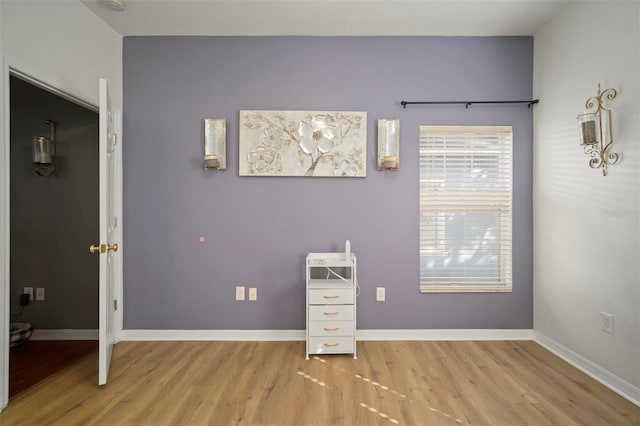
(270, 383)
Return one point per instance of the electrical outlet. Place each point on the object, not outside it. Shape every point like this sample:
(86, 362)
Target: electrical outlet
(606, 322)
(253, 293)
(40, 294)
(240, 293)
(29, 291)
(380, 294)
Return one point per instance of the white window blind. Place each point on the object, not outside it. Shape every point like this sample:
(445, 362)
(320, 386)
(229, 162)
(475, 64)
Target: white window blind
(465, 208)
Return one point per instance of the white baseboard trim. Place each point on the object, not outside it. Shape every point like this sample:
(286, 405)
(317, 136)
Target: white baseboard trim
(64, 334)
(610, 380)
(213, 335)
(447, 334)
(294, 335)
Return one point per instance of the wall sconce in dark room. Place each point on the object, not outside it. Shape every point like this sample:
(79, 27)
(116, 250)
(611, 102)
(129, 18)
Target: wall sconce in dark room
(596, 135)
(44, 152)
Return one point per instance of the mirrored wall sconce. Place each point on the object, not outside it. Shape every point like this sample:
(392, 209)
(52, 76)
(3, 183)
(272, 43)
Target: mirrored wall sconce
(44, 151)
(388, 144)
(215, 144)
(596, 135)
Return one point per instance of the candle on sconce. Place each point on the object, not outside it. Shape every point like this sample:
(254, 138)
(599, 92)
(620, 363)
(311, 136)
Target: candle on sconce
(589, 132)
(211, 161)
(389, 162)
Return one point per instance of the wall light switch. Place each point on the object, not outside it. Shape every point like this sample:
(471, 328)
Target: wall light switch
(253, 293)
(240, 293)
(380, 294)
(40, 294)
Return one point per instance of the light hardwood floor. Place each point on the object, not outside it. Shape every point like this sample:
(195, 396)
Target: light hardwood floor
(270, 383)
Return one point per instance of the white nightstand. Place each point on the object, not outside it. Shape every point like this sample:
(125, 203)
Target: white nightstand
(331, 303)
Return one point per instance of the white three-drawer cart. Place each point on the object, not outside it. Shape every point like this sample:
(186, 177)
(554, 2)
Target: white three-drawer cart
(331, 303)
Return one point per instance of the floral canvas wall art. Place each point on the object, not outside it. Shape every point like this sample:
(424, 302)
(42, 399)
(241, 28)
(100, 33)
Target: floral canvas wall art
(303, 143)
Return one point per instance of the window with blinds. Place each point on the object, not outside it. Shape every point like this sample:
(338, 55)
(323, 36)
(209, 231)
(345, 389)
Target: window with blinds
(465, 208)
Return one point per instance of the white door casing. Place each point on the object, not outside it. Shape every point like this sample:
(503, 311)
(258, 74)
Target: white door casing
(4, 231)
(65, 89)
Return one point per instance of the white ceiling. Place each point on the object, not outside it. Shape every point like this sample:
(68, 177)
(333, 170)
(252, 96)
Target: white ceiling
(328, 17)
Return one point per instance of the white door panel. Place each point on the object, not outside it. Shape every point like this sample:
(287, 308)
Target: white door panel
(108, 224)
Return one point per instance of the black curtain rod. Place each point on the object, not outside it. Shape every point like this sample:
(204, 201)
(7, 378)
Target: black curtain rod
(467, 103)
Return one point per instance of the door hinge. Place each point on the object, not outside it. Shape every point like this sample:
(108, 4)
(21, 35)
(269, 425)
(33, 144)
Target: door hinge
(115, 305)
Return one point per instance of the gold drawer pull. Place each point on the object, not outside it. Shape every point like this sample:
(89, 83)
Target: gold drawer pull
(331, 345)
(331, 297)
(330, 313)
(331, 329)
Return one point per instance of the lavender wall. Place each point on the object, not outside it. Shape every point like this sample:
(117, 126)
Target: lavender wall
(258, 230)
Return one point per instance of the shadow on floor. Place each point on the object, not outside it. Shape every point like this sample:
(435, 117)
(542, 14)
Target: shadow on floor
(35, 360)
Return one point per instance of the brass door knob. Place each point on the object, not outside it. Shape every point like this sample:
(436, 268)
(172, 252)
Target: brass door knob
(103, 248)
(95, 248)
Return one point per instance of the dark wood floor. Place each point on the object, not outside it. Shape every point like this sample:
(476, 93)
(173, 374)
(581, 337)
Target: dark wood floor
(35, 360)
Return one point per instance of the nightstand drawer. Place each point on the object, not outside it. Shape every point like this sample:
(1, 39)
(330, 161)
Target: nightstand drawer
(331, 313)
(331, 328)
(331, 345)
(337, 296)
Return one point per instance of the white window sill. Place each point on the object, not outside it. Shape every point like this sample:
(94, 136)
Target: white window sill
(465, 289)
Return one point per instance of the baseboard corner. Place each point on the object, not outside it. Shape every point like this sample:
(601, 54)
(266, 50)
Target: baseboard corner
(593, 370)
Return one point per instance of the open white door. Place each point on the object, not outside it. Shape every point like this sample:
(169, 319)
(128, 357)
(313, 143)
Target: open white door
(107, 246)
